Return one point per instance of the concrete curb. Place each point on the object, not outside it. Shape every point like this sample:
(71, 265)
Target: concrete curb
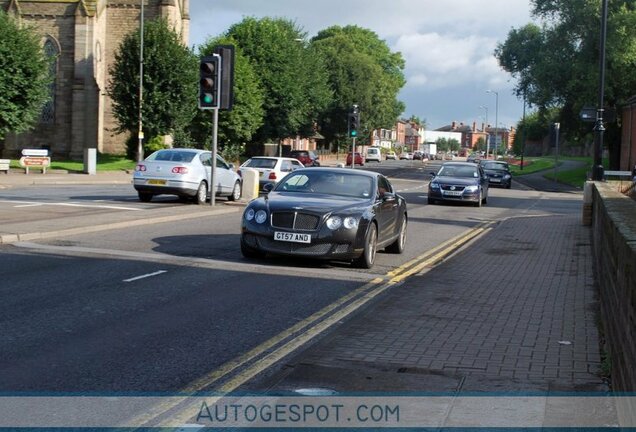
(13, 238)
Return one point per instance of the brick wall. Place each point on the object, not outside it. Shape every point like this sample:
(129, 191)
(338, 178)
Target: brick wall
(614, 243)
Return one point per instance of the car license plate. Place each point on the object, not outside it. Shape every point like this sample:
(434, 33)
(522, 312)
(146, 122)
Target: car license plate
(157, 182)
(292, 237)
(495, 180)
(453, 193)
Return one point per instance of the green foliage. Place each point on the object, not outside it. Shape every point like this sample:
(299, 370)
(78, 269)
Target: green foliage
(154, 144)
(292, 76)
(445, 145)
(534, 127)
(237, 126)
(556, 65)
(24, 79)
(480, 145)
(169, 82)
(362, 71)
(415, 119)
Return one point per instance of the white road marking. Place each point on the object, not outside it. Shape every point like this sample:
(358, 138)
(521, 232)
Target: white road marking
(165, 259)
(28, 205)
(66, 204)
(146, 276)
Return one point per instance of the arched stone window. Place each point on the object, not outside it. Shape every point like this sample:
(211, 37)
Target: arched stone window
(52, 52)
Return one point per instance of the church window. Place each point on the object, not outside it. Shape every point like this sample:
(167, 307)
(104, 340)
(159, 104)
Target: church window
(52, 53)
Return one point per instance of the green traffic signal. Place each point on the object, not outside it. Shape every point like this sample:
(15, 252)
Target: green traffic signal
(354, 133)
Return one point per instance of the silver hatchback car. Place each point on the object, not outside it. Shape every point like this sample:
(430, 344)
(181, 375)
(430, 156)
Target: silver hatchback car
(185, 173)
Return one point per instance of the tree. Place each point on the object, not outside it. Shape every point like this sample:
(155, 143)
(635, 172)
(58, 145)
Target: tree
(556, 65)
(25, 78)
(238, 125)
(292, 76)
(480, 145)
(415, 119)
(169, 82)
(362, 71)
(442, 144)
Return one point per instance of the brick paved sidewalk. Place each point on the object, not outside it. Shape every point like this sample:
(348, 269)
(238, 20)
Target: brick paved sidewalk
(514, 311)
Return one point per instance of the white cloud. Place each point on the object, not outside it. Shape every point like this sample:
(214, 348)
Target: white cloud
(447, 45)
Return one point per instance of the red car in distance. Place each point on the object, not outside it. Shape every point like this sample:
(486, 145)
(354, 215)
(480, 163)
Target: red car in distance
(358, 161)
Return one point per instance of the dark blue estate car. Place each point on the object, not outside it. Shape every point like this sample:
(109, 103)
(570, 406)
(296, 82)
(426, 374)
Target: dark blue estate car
(459, 181)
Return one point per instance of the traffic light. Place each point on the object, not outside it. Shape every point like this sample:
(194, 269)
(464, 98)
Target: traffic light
(209, 82)
(226, 83)
(353, 124)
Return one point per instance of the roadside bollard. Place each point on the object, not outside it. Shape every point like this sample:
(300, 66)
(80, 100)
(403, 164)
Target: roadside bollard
(250, 183)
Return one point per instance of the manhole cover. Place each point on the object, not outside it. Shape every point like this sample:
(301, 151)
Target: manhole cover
(316, 392)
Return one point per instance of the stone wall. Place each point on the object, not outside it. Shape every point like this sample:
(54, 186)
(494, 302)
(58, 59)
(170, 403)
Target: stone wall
(614, 244)
(88, 34)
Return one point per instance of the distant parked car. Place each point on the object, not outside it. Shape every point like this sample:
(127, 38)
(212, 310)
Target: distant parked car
(459, 181)
(406, 156)
(306, 157)
(359, 160)
(417, 155)
(391, 155)
(185, 173)
(271, 169)
(373, 154)
(473, 157)
(498, 173)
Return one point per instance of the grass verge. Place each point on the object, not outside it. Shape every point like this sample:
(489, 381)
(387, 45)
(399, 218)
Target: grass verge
(532, 165)
(105, 162)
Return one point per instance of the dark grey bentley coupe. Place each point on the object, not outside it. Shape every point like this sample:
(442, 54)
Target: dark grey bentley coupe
(326, 213)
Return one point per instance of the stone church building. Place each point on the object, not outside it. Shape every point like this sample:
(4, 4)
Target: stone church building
(83, 36)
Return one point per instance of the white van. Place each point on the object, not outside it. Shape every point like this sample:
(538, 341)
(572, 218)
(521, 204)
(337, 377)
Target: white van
(373, 154)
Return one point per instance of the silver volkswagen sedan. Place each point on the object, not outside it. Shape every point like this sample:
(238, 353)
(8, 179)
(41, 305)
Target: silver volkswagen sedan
(184, 172)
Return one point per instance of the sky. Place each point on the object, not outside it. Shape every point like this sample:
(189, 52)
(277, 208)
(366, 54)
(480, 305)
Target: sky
(447, 46)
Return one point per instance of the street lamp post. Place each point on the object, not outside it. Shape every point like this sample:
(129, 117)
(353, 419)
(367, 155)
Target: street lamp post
(599, 128)
(523, 132)
(485, 108)
(140, 134)
(496, 117)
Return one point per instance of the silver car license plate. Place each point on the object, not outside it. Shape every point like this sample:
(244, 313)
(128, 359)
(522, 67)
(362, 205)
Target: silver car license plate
(453, 193)
(292, 237)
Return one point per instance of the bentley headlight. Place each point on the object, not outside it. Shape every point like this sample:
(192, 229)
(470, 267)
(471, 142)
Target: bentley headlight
(334, 222)
(261, 216)
(249, 214)
(472, 188)
(350, 222)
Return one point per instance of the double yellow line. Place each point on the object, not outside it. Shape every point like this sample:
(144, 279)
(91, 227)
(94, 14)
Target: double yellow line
(275, 349)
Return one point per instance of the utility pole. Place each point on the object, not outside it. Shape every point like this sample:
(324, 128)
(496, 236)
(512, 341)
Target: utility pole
(523, 132)
(496, 120)
(140, 133)
(599, 128)
(557, 126)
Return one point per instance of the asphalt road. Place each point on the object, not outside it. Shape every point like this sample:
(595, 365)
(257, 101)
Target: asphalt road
(158, 307)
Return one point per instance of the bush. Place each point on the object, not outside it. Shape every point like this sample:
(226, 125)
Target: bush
(154, 144)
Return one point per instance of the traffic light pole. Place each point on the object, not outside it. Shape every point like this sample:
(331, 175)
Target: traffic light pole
(353, 153)
(213, 157)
